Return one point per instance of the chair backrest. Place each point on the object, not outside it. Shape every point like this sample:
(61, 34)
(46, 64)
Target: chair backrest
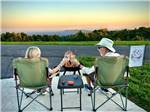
(71, 68)
(31, 72)
(110, 70)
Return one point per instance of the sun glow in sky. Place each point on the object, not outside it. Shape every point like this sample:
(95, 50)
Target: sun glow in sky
(47, 15)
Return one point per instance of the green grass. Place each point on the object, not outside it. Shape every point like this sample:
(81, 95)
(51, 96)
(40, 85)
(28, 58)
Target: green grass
(51, 43)
(87, 61)
(139, 86)
(132, 42)
(139, 83)
(74, 43)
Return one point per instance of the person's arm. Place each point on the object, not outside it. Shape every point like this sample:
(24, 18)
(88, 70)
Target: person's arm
(77, 63)
(55, 70)
(50, 70)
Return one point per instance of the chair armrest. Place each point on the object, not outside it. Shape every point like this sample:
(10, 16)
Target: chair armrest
(96, 70)
(47, 73)
(126, 74)
(15, 73)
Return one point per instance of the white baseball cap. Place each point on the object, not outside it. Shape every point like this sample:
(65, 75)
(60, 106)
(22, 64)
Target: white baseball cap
(105, 42)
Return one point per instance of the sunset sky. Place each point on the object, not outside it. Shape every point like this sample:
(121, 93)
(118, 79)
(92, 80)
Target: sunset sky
(50, 15)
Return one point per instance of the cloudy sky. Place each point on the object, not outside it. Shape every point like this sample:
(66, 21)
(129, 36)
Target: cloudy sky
(50, 15)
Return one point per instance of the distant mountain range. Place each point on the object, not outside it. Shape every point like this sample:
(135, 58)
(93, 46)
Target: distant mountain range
(60, 33)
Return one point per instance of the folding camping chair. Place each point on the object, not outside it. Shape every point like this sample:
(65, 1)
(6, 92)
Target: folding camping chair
(110, 74)
(31, 74)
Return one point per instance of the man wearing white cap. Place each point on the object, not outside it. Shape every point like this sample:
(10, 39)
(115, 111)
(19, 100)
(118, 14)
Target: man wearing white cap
(105, 48)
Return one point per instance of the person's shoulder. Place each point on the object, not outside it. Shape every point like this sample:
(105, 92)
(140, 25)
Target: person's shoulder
(43, 59)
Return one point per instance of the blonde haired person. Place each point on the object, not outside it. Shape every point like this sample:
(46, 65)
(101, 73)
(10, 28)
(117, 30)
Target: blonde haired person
(34, 52)
(69, 60)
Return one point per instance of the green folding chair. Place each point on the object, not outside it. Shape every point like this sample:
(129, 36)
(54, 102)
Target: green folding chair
(31, 74)
(110, 74)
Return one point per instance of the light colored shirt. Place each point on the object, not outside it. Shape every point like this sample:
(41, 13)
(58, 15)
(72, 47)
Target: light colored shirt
(112, 54)
(87, 70)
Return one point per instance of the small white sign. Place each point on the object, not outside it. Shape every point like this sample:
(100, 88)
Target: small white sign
(136, 56)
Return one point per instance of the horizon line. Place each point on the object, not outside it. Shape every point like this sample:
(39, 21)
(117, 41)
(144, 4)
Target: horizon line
(73, 29)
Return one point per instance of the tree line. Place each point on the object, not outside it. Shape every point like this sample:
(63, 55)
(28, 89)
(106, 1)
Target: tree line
(137, 34)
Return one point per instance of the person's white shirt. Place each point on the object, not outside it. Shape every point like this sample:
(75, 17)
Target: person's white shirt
(112, 54)
(89, 70)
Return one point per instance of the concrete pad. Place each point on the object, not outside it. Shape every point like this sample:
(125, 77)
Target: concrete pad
(9, 100)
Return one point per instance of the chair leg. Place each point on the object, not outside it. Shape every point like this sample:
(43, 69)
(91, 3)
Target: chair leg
(17, 93)
(94, 101)
(19, 100)
(80, 100)
(61, 97)
(50, 97)
(79, 72)
(64, 74)
(93, 95)
(74, 72)
(52, 93)
(124, 103)
(80, 75)
(19, 109)
(126, 98)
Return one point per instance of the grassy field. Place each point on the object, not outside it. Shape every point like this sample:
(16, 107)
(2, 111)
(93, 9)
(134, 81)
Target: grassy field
(139, 86)
(139, 83)
(75, 43)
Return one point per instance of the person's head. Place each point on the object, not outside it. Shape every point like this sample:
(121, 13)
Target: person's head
(104, 46)
(33, 52)
(69, 55)
(70, 59)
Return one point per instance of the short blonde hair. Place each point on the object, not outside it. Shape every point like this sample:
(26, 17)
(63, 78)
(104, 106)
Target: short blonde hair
(33, 52)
